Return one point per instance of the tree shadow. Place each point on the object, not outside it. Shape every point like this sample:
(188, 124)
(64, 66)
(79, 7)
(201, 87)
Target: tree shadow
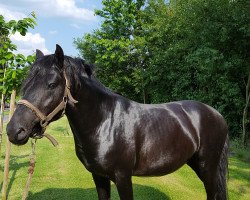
(141, 192)
(239, 170)
(14, 166)
(61, 129)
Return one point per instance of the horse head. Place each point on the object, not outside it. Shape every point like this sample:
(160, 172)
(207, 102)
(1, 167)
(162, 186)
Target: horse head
(45, 95)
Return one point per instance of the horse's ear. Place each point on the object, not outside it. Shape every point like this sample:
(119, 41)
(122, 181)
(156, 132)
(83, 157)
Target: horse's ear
(88, 68)
(59, 56)
(39, 54)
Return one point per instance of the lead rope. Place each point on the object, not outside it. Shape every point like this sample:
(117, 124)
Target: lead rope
(33, 162)
(31, 168)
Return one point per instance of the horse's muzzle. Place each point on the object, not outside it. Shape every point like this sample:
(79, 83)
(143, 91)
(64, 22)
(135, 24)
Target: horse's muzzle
(17, 135)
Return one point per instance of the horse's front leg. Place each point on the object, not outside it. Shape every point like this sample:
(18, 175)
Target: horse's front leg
(124, 186)
(102, 186)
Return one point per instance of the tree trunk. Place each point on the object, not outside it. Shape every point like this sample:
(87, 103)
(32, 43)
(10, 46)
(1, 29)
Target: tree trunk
(2, 114)
(8, 149)
(244, 119)
(1, 121)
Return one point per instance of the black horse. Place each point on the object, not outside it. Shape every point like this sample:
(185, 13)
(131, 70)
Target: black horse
(116, 138)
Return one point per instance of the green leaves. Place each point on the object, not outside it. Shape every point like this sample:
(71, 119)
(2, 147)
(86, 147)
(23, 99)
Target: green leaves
(13, 76)
(14, 66)
(9, 56)
(196, 54)
(15, 72)
(112, 47)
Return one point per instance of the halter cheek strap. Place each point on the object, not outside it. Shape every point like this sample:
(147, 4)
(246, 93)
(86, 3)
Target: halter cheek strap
(44, 120)
(67, 92)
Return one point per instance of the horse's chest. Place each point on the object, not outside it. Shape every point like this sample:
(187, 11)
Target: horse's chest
(92, 160)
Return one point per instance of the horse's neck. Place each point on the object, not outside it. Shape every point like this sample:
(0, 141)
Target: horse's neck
(95, 102)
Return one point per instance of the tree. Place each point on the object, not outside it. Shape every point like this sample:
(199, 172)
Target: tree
(111, 47)
(199, 51)
(245, 121)
(14, 68)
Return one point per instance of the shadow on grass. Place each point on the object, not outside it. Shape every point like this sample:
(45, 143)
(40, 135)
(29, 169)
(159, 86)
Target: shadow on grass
(61, 129)
(13, 161)
(140, 193)
(14, 166)
(239, 170)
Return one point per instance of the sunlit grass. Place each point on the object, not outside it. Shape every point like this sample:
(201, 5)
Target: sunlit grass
(60, 175)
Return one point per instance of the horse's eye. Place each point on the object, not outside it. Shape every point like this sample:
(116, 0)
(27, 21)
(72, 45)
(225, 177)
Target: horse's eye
(52, 86)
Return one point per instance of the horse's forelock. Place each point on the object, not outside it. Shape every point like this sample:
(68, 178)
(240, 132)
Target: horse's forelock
(39, 67)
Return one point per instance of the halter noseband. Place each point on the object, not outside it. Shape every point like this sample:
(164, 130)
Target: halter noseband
(44, 120)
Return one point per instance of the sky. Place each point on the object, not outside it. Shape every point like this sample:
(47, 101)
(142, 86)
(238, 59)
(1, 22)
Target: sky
(58, 22)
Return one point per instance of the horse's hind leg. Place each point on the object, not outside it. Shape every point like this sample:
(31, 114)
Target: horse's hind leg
(211, 168)
(102, 187)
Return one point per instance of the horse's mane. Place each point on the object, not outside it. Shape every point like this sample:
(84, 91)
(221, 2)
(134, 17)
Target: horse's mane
(76, 69)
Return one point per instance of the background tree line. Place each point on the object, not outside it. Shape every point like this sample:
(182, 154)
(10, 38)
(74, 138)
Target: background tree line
(158, 51)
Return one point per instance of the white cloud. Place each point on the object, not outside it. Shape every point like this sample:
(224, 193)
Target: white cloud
(68, 8)
(9, 15)
(55, 8)
(27, 44)
(52, 16)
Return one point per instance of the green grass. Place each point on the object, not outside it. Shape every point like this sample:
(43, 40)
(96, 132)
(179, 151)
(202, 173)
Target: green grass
(60, 175)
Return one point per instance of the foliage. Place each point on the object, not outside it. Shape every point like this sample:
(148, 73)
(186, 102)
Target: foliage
(201, 51)
(239, 152)
(185, 49)
(111, 46)
(16, 72)
(14, 66)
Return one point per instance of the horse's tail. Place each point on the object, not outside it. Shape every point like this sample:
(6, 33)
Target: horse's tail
(223, 172)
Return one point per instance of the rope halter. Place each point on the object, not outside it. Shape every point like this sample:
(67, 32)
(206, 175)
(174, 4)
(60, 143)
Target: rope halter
(44, 120)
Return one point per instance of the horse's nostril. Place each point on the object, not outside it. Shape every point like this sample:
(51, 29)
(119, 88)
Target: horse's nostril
(21, 134)
(20, 130)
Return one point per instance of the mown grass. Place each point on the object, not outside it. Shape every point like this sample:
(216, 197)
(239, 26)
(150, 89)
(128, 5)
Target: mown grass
(60, 175)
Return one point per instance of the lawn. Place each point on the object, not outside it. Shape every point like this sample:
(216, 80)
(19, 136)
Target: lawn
(60, 175)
